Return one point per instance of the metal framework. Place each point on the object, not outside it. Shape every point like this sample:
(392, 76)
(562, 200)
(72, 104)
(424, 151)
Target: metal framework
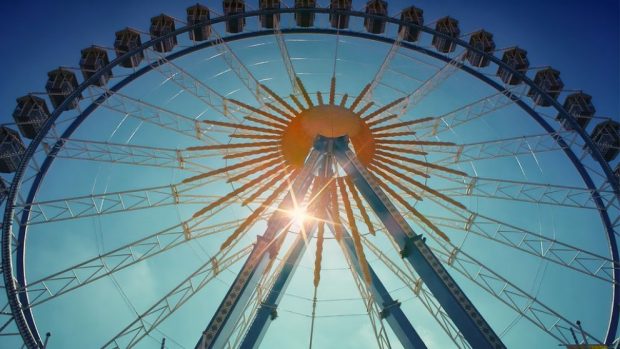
(414, 249)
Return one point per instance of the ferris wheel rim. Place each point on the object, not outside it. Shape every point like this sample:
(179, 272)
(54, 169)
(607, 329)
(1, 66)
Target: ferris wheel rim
(27, 319)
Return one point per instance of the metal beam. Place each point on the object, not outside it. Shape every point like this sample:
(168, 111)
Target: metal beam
(267, 311)
(390, 308)
(266, 248)
(413, 248)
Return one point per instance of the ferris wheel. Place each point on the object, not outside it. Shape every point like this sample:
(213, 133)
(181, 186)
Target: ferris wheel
(290, 175)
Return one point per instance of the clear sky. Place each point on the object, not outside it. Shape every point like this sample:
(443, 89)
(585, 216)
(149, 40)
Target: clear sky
(581, 39)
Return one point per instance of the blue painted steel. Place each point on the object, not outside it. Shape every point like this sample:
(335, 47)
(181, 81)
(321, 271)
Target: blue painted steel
(268, 308)
(266, 249)
(462, 312)
(391, 311)
(19, 302)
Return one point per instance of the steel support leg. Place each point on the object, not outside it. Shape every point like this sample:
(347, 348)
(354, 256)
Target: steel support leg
(268, 308)
(414, 249)
(230, 310)
(390, 308)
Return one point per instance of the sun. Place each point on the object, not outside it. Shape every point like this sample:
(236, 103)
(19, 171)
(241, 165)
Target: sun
(299, 215)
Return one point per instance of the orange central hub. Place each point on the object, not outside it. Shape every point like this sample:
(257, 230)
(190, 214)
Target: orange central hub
(328, 121)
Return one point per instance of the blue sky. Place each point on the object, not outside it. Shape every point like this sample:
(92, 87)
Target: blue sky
(580, 39)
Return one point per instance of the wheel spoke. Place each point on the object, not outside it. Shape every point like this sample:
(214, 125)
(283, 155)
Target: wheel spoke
(127, 154)
(173, 300)
(531, 308)
(502, 148)
(88, 271)
(524, 191)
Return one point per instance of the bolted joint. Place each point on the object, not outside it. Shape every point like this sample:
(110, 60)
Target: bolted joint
(273, 310)
(385, 312)
(409, 245)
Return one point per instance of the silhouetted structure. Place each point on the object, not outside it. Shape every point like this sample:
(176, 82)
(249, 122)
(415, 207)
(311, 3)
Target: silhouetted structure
(412, 15)
(198, 14)
(61, 83)
(30, 115)
(580, 106)
(483, 41)
(379, 8)
(92, 60)
(304, 19)
(128, 40)
(339, 21)
(11, 150)
(448, 26)
(548, 80)
(163, 25)
(269, 20)
(606, 136)
(515, 58)
(233, 7)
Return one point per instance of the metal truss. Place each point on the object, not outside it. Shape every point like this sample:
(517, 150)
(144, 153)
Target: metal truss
(501, 148)
(222, 324)
(88, 271)
(127, 154)
(471, 111)
(371, 303)
(434, 81)
(147, 112)
(508, 293)
(376, 81)
(173, 300)
(189, 83)
(547, 248)
(539, 193)
(114, 202)
(466, 317)
(242, 72)
(286, 58)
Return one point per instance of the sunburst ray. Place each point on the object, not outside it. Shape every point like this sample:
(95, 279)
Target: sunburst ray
(355, 234)
(395, 182)
(380, 159)
(297, 102)
(238, 191)
(279, 100)
(401, 124)
(260, 167)
(265, 122)
(332, 90)
(236, 166)
(382, 120)
(411, 209)
(241, 126)
(359, 98)
(383, 109)
(254, 136)
(259, 111)
(304, 93)
(258, 151)
(401, 150)
(360, 205)
(423, 163)
(263, 188)
(279, 111)
(231, 146)
(251, 219)
(393, 134)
